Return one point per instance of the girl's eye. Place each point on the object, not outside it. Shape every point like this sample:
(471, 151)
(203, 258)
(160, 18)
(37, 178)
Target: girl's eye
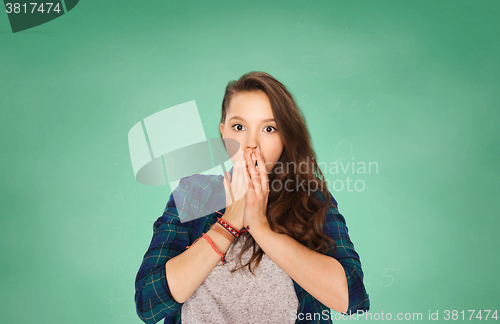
(238, 125)
(270, 127)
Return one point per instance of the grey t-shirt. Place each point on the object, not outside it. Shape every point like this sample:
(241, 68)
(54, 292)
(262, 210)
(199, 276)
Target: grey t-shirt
(240, 297)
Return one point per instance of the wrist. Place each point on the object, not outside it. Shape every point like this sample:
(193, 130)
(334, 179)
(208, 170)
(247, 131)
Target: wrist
(258, 227)
(217, 227)
(228, 217)
(220, 241)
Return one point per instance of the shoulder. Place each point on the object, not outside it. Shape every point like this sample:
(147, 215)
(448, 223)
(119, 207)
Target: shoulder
(330, 200)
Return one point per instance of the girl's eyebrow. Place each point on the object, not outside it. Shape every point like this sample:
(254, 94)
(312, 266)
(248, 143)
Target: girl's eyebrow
(263, 121)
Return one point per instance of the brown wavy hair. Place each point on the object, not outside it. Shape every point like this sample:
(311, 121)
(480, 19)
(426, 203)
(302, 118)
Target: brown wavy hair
(296, 213)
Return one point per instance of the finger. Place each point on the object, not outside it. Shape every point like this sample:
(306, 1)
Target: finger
(227, 186)
(262, 170)
(237, 176)
(254, 169)
(248, 180)
(254, 160)
(236, 163)
(254, 174)
(239, 184)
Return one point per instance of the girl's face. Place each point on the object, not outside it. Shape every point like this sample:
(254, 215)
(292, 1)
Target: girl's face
(250, 121)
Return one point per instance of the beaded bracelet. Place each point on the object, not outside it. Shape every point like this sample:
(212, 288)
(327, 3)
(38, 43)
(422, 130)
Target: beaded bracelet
(230, 228)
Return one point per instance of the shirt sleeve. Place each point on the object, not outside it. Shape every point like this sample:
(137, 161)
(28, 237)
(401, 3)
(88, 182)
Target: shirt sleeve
(152, 295)
(348, 257)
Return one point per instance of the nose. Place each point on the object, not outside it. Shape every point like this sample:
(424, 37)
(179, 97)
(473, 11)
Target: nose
(251, 144)
(251, 147)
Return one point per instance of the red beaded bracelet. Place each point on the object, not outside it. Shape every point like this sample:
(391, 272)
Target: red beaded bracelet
(230, 228)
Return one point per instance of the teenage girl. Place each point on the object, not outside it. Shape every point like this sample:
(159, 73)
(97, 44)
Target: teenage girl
(279, 252)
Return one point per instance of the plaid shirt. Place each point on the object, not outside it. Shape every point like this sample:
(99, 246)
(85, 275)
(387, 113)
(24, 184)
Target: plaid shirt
(171, 236)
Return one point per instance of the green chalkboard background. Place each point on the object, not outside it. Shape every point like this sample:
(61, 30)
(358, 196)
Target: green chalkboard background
(410, 85)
